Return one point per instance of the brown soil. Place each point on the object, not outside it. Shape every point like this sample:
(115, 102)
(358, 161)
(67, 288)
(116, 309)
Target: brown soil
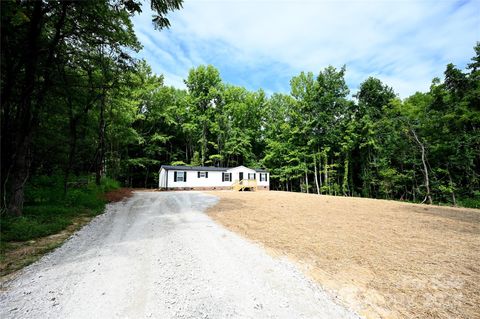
(384, 259)
(118, 194)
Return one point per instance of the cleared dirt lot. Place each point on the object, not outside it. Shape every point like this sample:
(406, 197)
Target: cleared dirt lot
(384, 259)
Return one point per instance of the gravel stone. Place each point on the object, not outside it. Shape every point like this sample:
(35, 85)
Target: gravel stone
(157, 255)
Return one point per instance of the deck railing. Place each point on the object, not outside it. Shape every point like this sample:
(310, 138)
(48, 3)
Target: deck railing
(241, 185)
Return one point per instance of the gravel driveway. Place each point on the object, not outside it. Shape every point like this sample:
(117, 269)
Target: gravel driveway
(157, 255)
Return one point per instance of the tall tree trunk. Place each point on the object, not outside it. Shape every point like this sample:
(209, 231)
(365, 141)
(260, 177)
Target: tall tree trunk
(146, 177)
(72, 150)
(306, 178)
(21, 168)
(101, 141)
(452, 188)
(204, 143)
(345, 177)
(26, 114)
(425, 168)
(20, 165)
(326, 173)
(414, 187)
(320, 173)
(6, 134)
(316, 174)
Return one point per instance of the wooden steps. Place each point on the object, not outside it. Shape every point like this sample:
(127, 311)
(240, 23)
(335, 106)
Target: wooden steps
(245, 184)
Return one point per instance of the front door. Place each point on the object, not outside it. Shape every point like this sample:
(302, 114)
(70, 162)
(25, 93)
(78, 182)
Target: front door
(240, 176)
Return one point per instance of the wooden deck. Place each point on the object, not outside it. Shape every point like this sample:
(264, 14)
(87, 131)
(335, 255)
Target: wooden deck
(245, 184)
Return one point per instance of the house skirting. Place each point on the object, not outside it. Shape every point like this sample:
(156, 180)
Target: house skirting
(209, 188)
(206, 188)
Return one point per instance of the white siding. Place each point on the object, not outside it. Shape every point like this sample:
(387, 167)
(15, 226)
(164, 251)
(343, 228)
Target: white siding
(214, 179)
(166, 178)
(162, 178)
(240, 169)
(237, 170)
(263, 183)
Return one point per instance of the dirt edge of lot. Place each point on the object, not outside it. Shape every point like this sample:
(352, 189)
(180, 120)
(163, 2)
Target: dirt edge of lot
(383, 259)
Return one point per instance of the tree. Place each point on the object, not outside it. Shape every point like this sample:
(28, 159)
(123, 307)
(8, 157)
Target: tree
(373, 99)
(52, 35)
(204, 87)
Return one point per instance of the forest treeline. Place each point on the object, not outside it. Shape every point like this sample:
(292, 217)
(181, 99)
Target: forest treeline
(76, 103)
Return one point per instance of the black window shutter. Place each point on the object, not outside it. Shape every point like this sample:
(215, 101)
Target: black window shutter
(174, 176)
(230, 177)
(198, 174)
(254, 175)
(223, 177)
(206, 174)
(184, 176)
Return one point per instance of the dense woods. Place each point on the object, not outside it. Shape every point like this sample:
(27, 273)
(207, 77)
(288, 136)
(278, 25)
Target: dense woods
(63, 67)
(75, 103)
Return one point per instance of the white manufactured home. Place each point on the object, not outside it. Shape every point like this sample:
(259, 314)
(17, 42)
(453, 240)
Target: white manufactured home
(204, 177)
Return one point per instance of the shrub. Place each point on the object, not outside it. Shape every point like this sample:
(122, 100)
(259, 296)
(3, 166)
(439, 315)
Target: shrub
(48, 209)
(107, 184)
(471, 202)
(37, 221)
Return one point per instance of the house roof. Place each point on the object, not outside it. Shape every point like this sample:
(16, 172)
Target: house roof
(204, 168)
(193, 168)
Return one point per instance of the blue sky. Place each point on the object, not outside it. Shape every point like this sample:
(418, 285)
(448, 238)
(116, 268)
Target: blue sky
(263, 43)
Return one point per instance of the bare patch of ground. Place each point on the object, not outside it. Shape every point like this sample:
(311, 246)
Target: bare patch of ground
(385, 259)
(118, 194)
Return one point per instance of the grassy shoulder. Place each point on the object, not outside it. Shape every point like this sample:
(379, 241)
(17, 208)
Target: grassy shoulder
(51, 216)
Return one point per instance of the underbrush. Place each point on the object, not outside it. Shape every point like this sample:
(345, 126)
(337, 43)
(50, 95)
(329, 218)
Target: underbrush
(49, 210)
(473, 202)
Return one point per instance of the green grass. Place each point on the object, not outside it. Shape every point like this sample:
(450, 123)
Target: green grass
(48, 210)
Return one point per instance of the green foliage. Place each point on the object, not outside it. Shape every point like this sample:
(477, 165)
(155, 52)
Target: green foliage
(49, 210)
(109, 184)
(178, 163)
(83, 105)
(314, 139)
(473, 202)
(373, 147)
(70, 87)
(37, 221)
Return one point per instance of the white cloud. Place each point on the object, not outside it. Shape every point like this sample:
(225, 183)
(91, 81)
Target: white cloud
(263, 43)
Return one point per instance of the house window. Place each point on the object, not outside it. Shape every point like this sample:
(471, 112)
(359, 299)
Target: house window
(251, 175)
(202, 174)
(263, 177)
(227, 177)
(180, 177)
